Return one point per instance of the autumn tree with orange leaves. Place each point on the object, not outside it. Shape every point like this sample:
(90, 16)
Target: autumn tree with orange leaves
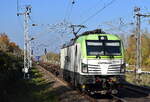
(145, 48)
(11, 62)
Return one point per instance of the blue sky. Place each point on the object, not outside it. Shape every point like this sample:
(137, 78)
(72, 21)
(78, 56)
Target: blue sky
(54, 11)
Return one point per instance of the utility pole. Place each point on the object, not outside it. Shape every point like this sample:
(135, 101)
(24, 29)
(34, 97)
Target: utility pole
(45, 52)
(79, 28)
(27, 50)
(30, 51)
(138, 41)
(138, 16)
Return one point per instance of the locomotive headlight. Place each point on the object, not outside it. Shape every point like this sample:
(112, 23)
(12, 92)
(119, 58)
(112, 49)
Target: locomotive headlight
(113, 79)
(84, 68)
(122, 69)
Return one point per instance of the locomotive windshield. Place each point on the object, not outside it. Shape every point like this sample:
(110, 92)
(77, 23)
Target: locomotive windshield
(103, 48)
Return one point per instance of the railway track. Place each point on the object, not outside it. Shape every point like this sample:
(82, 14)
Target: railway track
(139, 89)
(93, 98)
(118, 99)
(110, 98)
(130, 93)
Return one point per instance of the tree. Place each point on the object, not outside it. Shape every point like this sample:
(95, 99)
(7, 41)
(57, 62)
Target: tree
(51, 57)
(145, 50)
(145, 46)
(4, 42)
(131, 50)
(10, 56)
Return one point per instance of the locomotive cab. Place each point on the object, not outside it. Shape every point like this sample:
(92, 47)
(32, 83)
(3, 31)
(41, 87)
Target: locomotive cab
(94, 62)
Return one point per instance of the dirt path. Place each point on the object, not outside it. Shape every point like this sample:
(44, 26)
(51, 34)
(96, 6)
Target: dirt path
(61, 89)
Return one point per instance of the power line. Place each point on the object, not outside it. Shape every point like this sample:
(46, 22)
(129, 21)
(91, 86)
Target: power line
(20, 22)
(115, 26)
(17, 5)
(69, 15)
(69, 10)
(92, 7)
(100, 10)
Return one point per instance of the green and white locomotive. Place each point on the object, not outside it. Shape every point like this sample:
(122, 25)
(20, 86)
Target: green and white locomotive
(94, 61)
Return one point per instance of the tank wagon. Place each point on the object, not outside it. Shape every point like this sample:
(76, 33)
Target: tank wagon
(94, 62)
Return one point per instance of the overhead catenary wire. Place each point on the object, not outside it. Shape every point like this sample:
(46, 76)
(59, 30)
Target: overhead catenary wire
(54, 27)
(92, 7)
(118, 24)
(69, 10)
(66, 11)
(100, 10)
(69, 15)
(20, 23)
(17, 5)
(19, 19)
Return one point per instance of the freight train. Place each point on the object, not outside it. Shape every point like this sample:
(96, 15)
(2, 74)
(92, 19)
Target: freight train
(94, 62)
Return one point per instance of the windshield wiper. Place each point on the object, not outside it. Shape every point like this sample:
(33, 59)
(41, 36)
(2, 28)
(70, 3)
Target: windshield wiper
(98, 56)
(111, 56)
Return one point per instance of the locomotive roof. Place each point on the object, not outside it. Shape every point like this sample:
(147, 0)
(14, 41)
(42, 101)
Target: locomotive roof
(93, 32)
(96, 31)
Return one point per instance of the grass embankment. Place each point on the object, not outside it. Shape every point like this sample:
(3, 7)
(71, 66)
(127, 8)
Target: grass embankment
(35, 90)
(147, 68)
(143, 80)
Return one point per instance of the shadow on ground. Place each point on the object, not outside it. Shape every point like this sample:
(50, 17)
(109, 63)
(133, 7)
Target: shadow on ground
(33, 90)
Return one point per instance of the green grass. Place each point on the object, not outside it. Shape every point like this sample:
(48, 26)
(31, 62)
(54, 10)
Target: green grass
(143, 80)
(143, 68)
(35, 90)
